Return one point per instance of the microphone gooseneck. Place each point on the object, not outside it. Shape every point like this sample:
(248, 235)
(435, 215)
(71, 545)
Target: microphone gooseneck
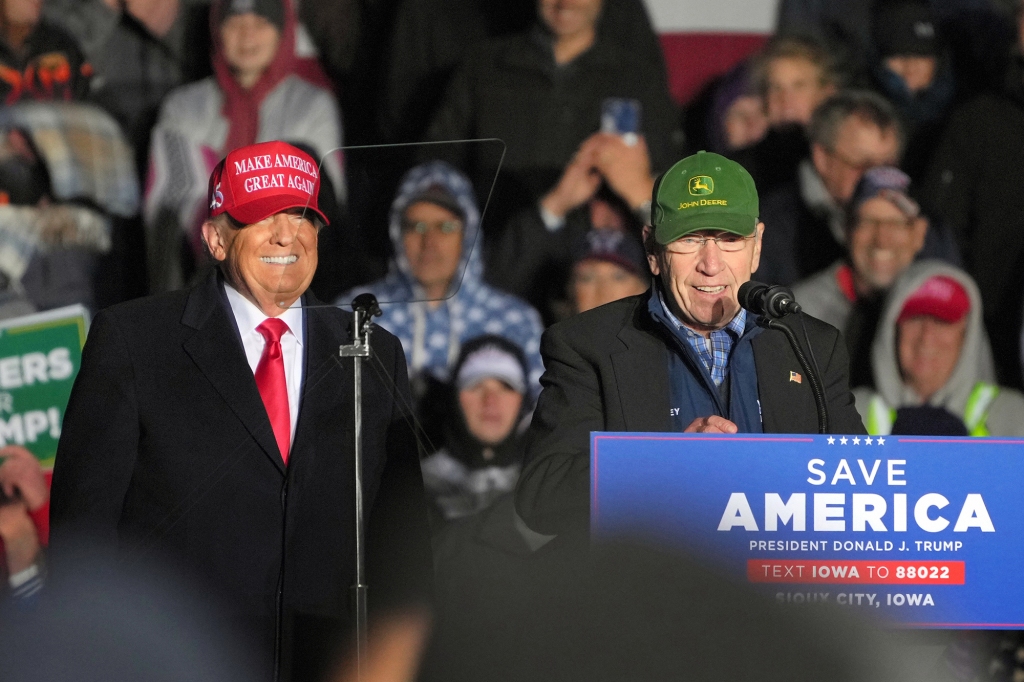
(772, 303)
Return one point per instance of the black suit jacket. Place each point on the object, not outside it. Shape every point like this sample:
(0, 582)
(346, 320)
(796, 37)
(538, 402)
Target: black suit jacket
(607, 370)
(167, 449)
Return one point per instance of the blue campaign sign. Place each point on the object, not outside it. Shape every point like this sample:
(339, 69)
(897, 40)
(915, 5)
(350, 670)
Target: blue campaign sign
(925, 531)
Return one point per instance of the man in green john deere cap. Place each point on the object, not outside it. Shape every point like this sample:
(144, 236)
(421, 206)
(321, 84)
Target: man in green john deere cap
(684, 356)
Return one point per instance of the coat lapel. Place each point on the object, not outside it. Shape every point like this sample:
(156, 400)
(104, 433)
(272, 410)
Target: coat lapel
(641, 376)
(217, 351)
(326, 374)
(787, 402)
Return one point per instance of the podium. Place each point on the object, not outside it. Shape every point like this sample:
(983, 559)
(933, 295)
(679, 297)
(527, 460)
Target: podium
(923, 532)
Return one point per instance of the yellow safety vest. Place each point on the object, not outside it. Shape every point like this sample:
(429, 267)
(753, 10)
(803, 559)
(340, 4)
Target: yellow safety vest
(881, 417)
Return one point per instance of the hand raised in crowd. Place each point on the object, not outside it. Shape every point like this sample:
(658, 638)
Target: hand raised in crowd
(577, 186)
(18, 532)
(712, 424)
(23, 483)
(22, 477)
(625, 167)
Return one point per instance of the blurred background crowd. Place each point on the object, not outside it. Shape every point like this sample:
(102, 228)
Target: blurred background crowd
(886, 139)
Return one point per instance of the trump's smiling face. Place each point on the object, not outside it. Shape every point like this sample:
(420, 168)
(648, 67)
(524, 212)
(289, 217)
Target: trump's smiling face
(270, 262)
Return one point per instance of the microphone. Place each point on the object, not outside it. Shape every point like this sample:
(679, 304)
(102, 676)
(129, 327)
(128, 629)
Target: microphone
(771, 301)
(367, 303)
(751, 295)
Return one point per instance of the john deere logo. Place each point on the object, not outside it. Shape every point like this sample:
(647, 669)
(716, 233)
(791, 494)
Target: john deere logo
(701, 185)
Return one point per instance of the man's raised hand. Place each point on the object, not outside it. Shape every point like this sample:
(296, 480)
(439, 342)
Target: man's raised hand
(625, 167)
(577, 186)
(22, 477)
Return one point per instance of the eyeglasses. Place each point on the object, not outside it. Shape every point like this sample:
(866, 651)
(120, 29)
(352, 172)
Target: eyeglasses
(892, 224)
(423, 226)
(857, 166)
(726, 242)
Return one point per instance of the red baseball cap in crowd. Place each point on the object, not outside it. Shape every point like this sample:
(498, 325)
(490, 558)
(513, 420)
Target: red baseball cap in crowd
(255, 182)
(941, 297)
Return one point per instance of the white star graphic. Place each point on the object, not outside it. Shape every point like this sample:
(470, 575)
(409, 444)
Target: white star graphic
(881, 441)
(856, 441)
(842, 441)
(868, 440)
(831, 440)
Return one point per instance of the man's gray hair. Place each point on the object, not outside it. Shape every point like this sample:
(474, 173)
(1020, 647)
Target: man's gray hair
(869, 106)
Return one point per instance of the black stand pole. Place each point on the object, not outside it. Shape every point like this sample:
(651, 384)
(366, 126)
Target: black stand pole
(365, 308)
(812, 376)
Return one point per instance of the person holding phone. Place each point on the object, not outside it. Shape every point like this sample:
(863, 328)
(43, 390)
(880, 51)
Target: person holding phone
(545, 91)
(606, 186)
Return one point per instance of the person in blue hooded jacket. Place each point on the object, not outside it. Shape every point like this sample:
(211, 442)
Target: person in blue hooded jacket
(434, 297)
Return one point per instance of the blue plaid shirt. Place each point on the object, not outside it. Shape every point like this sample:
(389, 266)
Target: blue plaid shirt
(714, 351)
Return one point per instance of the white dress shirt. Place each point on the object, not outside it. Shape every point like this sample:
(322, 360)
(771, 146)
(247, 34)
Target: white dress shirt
(248, 317)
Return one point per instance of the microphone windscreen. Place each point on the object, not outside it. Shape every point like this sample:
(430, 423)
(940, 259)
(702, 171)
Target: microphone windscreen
(751, 296)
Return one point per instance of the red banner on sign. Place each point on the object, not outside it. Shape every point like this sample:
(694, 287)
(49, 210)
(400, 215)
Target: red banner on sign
(856, 572)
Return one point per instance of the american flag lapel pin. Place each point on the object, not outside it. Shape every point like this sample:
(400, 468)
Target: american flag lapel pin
(794, 376)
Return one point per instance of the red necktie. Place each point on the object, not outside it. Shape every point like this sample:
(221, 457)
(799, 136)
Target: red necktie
(272, 385)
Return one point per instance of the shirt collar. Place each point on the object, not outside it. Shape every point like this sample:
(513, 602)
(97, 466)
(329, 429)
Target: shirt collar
(248, 316)
(844, 280)
(736, 326)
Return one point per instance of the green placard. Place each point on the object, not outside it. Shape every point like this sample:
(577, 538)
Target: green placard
(39, 359)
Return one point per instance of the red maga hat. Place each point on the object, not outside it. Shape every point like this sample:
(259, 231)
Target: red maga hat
(255, 182)
(941, 297)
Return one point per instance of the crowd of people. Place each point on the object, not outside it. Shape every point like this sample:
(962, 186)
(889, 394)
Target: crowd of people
(881, 138)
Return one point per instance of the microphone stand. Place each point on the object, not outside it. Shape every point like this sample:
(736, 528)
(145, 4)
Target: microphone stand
(365, 308)
(812, 376)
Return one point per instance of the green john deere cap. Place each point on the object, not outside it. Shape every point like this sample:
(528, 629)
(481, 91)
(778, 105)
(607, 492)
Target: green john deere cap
(705, 191)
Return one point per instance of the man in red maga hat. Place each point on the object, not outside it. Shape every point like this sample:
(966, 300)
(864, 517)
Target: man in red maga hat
(214, 427)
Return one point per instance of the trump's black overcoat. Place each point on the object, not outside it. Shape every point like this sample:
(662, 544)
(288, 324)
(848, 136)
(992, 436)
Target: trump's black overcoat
(167, 452)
